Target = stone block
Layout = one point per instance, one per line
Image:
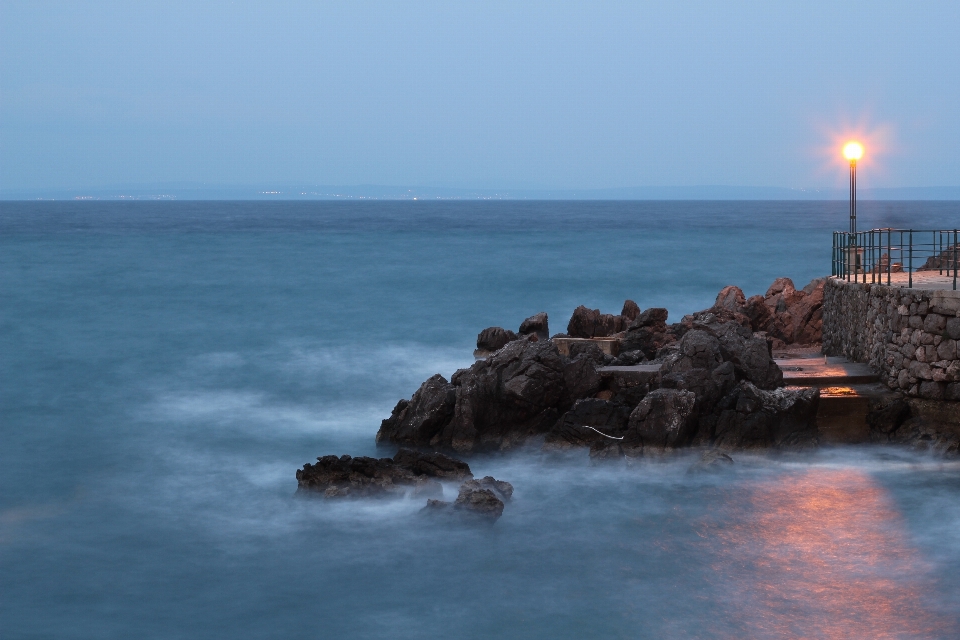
(952, 391)
(934, 323)
(931, 390)
(903, 310)
(923, 307)
(921, 371)
(952, 328)
(947, 350)
(915, 322)
(908, 350)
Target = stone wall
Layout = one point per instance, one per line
(909, 336)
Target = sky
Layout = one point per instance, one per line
(477, 95)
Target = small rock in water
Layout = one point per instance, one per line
(484, 498)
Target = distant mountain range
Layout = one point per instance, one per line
(381, 192)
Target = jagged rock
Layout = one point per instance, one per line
(590, 323)
(926, 434)
(885, 415)
(418, 420)
(502, 488)
(480, 501)
(573, 428)
(782, 418)
(751, 356)
(537, 325)
(630, 310)
(363, 476)
(435, 465)
(730, 298)
(663, 419)
(647, 333)
(494, 338)
(512, 395)
(698, 349)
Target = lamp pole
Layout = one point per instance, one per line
(853, 195)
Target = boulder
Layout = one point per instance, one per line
(418, 420)
(517, 392)
(589, 421)
(647, 333)
(536, 325)
(664, 419)
(363, 476)
(630, 310)
(730, 298)
(477, 499)
(755, 418)
(494, 338)
(590, 323)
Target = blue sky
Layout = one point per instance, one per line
(477, 95)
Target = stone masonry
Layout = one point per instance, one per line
(909, 336)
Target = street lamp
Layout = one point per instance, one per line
(853, 151)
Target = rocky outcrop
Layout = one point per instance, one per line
(756, 418)
(536, 325)
(494, 338)
(590, 323)
(482, 498)
(345, 476)
(785, 314)
(526, 389)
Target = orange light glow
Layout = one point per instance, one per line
(853, 151)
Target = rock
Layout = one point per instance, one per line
(573, 429)
(362, 476)
(731, 298)
(494, 338)
(711, 461)
(590, 323)
(630, 310)
(479, 501)
(518, 392)
(502, 488)
(647, 333)
(750, 355)
(663, 419)
(885, 415)
(434, 465)
(697, 350)
(755, 418)
(779, 286)
(925, 434)
(419, 420)
(536, 325)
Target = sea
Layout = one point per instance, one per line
(166, 367)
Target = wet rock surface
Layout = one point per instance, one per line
(346, 476)
(482, 499)
(527, 391)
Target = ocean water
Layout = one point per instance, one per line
(166, 367)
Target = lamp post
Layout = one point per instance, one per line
(853, 151)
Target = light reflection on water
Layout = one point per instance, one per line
(822, 553)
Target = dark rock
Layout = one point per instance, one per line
(630, 310)
(536, 325)
(579, 426)
(750, 355)
(781, 418)
(419, 420)
(502, 488)
(925, 434)
(494, 338)
(697, 350)
(590, 323)
(434, 465)
(663, 419)
(885, 415)
(478, 501)
(363, 476)
(730, 298)
(653, 317)
(517, 392)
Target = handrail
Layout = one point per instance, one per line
(868, 256)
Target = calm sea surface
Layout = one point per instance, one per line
(166, 367)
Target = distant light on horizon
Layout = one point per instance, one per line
(853, 151)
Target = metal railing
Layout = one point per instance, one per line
(874, 256)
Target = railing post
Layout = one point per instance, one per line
(954, 260)
(889, 255)
(910, 265)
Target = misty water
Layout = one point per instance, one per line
(166, 367)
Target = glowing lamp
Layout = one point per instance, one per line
(853, 151)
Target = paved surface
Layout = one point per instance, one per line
(824, 372)
(927, 280)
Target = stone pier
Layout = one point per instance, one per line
(909, 336)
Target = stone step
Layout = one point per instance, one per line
(825, 372)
